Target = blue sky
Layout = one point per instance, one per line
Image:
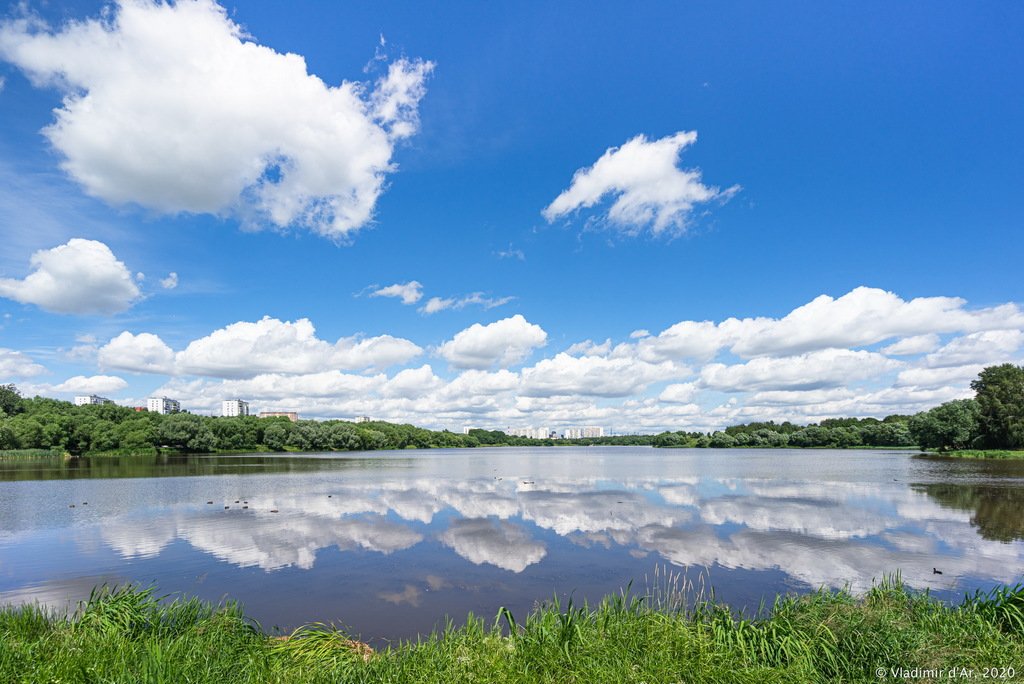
(867, 153)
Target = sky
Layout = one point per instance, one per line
(666, 216)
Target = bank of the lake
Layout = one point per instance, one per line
(128, 635)
(984, 454)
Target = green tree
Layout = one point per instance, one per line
(1000, 397)
(10, 400)
(953, 425)
(186, 432)
(8, 440)
(276, 435)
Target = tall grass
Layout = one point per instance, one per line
(672, 632)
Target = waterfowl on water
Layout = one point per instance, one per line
(936, 572)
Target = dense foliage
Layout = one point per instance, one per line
(127, 635)
(837, 433)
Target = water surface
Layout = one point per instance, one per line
(388, 543)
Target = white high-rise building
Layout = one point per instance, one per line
(529, 432)
(91, 399)
(162, 405)
(583, 432)
(233, 408)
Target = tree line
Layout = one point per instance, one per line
(993, 419)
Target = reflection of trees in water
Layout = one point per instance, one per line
(997, 511)
(164, 465)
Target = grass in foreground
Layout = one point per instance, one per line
(129, 635)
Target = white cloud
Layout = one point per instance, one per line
(410, 292)
(412, 382)
(96, 384)
(247, 349)
(590, 348)
(815, 370)
(991, 346)
(684, 340)
(14, 364)
(397, 96)
(245, 130)
(862, 317)
(649, 188)
(865, 316)
(79, 277)
(592, 376)
(505, 343)
(908, 346)
(931, 378)
(435, 304)
(170, 282)
(679, 393)
(142, 353)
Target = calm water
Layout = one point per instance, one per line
(388, 543)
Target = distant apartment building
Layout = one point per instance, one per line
(290, 415)
(163, 405)
(232, 408)
(467, 428)
(363, 419)
(92, 399)
(585, 432)
(529, 432)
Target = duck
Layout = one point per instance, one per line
(936, 571)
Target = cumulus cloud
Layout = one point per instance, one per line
(862, 317)
(247, 349)
(142, 353)
(641, 383)
(648, 186)
(977, 348)
(410, 292)
(96, 384)
(679, 393)
(14, 364)
(246, 130)
(917, 344)
(931, 378)
(79, 277)
(592, 376)
(505, 343)
(815, 370)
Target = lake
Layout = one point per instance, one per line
(389, 543)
